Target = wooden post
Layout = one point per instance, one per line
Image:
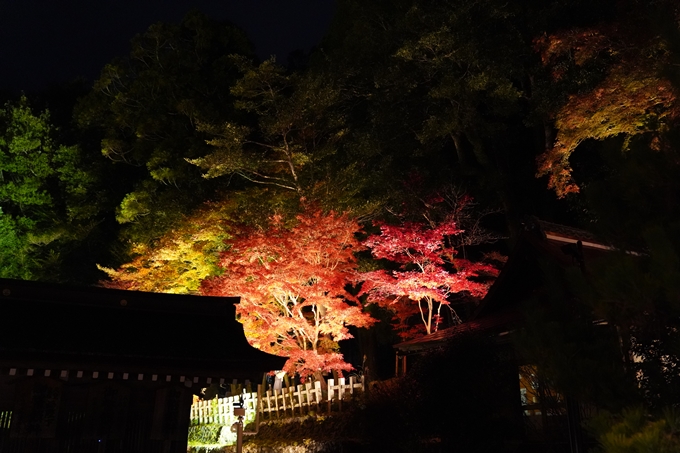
(276, 402)
(331, 393)
(341, 392)
(317, 395)
(258, 407)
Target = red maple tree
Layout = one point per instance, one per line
(292, 287)
(428, 274)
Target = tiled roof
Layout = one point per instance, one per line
(488, 324)
(47, 325)
(568, 232)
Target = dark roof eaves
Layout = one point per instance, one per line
(21, 290)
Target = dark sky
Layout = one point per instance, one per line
(45, 41)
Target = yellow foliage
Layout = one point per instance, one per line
(182, 259)
(630, 101)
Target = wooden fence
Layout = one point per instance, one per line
(270, 404)
(221, 410)
(299, 400)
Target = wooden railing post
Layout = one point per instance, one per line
(318, 395)
(331, 393)
(258, 406)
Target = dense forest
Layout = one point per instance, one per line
(384, 174)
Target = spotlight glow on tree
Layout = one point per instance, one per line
(632, 100)
(292, 287)
(428, 274)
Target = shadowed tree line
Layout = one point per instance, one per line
(566, 110)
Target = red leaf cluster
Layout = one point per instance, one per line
(428, 274)
(292, 287)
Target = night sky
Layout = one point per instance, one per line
(48, 41)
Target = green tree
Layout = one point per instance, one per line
(438, 91)
(298, 126)
(146, 107)
(46, 208)
(634, 431)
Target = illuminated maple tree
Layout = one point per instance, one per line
(292, 284)
(631, 100)
(428, 273)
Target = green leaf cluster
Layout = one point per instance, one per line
(204, 434)
(634, 431)
(145, 108)
(45, 206)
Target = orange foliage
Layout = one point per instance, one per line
(632, 99)
(292, 284)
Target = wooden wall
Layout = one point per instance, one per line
(53, 415)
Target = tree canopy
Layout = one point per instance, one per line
(428, 274)
(293, 287)
(46, 207)
(146, 108)
(562, 109)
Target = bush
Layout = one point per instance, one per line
(204, 434)
(635, 431)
